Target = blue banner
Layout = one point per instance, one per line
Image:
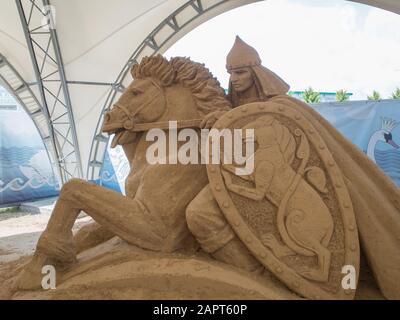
(371, 125)
(25, 170)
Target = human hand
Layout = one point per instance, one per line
(210, 119)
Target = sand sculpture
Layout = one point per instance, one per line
(285, 231)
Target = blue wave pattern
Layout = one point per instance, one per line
(389, 162)
(15, 185)
(108, 177)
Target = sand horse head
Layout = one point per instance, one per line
(162, 90)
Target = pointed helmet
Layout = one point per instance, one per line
(242, 55)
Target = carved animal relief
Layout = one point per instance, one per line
(293, 211)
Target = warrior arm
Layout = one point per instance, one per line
(263, 176)
(209, 119)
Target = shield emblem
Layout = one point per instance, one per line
(292, 209)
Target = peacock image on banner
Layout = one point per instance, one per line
(373, 126)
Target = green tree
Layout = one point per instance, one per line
(311, 96)
(375, 96)
(341, 95)
(396, 94)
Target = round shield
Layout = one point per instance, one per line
(284, 195)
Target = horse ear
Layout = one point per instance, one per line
(133, 70)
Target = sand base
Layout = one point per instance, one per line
(116, 270)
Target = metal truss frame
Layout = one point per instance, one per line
(151, 45)
(39, 28)
(22, 93)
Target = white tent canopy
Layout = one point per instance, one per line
(67, 76)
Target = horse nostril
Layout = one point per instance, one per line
(107, 117)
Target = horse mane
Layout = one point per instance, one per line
(206, 90)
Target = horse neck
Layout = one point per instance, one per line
(180, 104)
(130, 148)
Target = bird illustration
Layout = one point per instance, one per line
(384, 135)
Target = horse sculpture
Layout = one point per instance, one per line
(152, 214)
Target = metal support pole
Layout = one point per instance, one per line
(45, 51)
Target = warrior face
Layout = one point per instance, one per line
(244, 64)
(242, 79)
